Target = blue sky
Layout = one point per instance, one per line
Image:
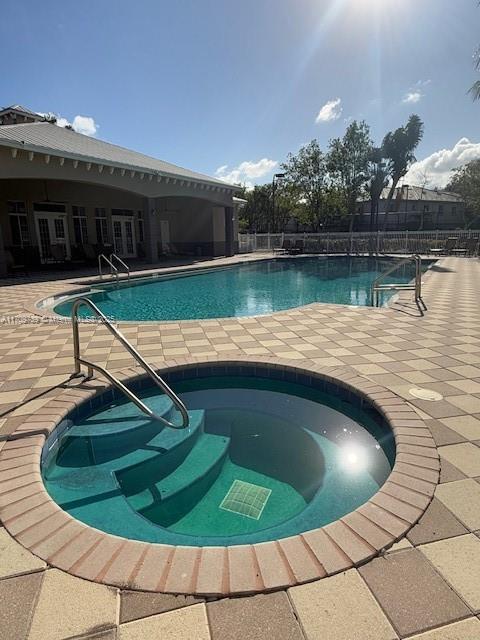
(217, 84)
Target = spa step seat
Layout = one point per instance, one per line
(190, 480)
(167, 448)
(121, 418)
(158, 456)
(107, 509)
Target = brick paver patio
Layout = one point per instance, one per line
(427, 586)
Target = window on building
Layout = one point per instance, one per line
(101, 225)
(17, 213)
(141, 231)
(80, 225)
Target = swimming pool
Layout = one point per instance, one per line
(263, 458)
(249, 289)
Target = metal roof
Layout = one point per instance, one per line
(417, 194)
(421, 193)
(18, 108)
(48, 138)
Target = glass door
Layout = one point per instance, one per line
(52, 234)
(124, 242)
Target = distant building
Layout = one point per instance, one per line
(416, 209)
(66, 197)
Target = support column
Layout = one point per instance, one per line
(152, 230)
(229, 231)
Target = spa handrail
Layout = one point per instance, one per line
(377, 287)
(78, 361)
(113, 256)
(113, 268)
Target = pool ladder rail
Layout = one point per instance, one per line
(114, 270)
(416, 285)
(91, 366)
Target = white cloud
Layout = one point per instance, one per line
(85, 125)
(439, 166)
(62, 122)
(412, 97)
(80, 124)
(415, 93)
(246, 172)
(331, 110)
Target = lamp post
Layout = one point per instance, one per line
(406, 209)
(275, 179)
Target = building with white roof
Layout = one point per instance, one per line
(67, 196)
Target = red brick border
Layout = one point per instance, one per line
(40, 525)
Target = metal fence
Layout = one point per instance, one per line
(358, 242)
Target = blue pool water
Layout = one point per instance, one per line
(262, 459)
(244, 290)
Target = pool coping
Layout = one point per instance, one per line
(39, 524)
(77, 288)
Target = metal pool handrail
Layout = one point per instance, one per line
(417, 286)
(113, 256)
(113, 268)
(78, 361)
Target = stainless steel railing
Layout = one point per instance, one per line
(416, 286)
(113, 256)
(113, 268)
(91, 366)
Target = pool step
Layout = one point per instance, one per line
(122, 418)
(132, 447)
(172, 497)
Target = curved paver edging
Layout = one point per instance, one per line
(40, 309)
(40, 525)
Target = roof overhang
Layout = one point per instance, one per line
(134, 170)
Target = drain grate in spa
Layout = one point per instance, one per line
(246, 499)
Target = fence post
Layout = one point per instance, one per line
(351, 242)
(406, 241)
(328, 240)
(378, 242)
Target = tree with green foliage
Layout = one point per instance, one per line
(347, 163)
(255, 215)
(398, 147)
(306, 176)
(466, 182)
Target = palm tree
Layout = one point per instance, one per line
(379, 172)
(398, 147)
(475, 88)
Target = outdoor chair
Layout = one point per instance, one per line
(297, 248)
(284, 247)
(447, 247)
(470, 248)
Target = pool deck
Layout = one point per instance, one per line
(426, 586)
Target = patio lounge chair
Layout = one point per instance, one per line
(298, 247)
(470, 248)
(284, 247)
(447, 247)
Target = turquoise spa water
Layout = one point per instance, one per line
(261, 460)
(244, 290)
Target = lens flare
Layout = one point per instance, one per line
(353, 458)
